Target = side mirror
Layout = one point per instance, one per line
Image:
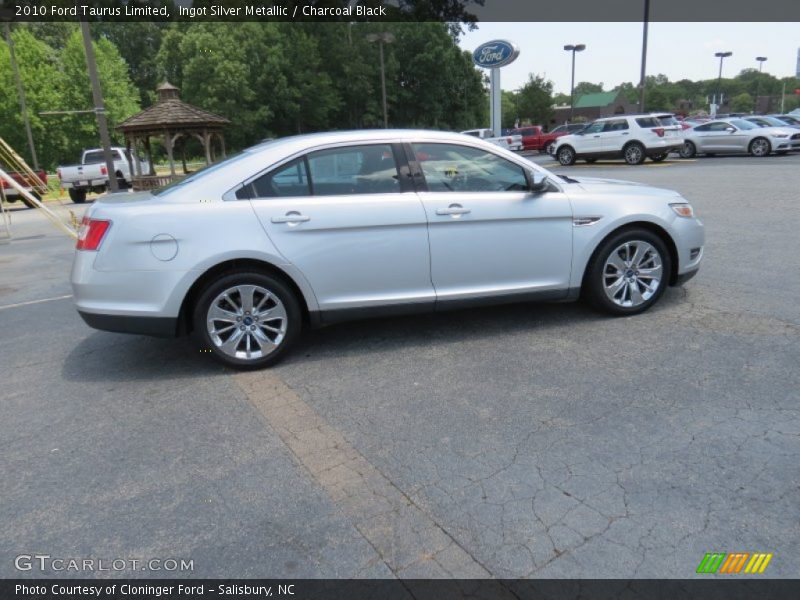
(730, 129)
(537, 182)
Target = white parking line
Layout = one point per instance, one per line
(18, 304)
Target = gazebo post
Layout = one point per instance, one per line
(149, 151)
(168, 144)
(137, 167)
(206, 145)
(222, 141)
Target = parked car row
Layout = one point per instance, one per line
(635, 138)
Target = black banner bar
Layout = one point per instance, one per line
(715, 588)
(534, 11)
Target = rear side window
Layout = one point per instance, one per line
(616, 125)
(354, 170)
(648, 122)
(668, 120)
(289, 180)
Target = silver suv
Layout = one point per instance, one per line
(632, 137)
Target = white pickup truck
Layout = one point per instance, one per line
(92, 175)
(511, 142)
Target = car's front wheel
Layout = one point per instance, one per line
(760, 147)
(628, 273)
(566, 156)
(247, 319)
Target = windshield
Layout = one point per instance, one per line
(742, 124)
(207, 170)
(770, 120)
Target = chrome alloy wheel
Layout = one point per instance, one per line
(634, 154)
(632, 274)
(247, 322)
(759, 147)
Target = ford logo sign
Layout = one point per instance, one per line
(497, 53)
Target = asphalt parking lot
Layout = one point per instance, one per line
(522, 441)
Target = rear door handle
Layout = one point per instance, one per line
(291, 217)
(453, 209)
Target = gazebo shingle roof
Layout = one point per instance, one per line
(171, 113)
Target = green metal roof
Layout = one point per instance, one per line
(598, 99)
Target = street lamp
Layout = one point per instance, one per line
(382, 38)
(722, 56)
(760, 60)
(573, 48)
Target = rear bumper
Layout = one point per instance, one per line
(153, 326)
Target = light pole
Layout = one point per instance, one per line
(644, 53)
(760, 60)
(722, 56)
(573, 48)
(382, 38)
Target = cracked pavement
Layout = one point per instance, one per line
(521, 441)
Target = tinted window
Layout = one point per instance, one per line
(616, 125)
(96, 156)
(648, 122)
(576, 128)
(354, 170)
(742, 124)
(453, 168)
(594, 128)
(289, 180)
(667, 120)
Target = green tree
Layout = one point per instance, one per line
(743, 102)
(535, 100)
(508, 109)
(585, 87)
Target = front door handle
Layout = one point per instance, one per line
(454, 210)
(291, 217)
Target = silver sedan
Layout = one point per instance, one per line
(738, 136)
(314, 229)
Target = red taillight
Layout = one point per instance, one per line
(659, 131)
(91, 233)
(103, 171)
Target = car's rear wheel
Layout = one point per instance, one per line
(658, 157)
(633, 153)
(760, 147)
(30, 204)
(77, 196)
(628, 273)
(688, 150)
(247, 319)
(566, 156)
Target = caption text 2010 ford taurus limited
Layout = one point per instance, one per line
(313, 229)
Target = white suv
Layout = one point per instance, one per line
(632, 137)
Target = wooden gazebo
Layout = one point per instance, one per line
(174, 121)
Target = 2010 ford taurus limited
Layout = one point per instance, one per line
(313, 229)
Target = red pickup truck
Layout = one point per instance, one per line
(534, 137)
(11, 193)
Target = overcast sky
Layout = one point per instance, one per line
(613, 50)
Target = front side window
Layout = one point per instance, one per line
(369, 169)
(454, 168)
(595, 128)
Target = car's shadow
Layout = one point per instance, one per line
(115, 357)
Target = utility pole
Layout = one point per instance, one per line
(382, 38)
(760, 60)
(99, 107)
(644, 54)
(21, 93)
(718, 100)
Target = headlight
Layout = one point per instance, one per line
(780, 135)
(682, 209)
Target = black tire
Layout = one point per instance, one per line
(566, 155)
(633, 153)
(658, 157)
(760, 147)
(77, 196)
(688, 150)
(30, 204)
(594, 278)
(590, 160)
(275, 286)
